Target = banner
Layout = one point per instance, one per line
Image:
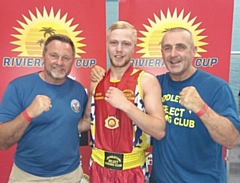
(209, 21)
(25, 27)
(211, 29)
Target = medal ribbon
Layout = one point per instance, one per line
(120, 85)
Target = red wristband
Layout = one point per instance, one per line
(203, 110)
(26, 116)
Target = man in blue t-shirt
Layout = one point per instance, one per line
(41, 112)
(201, 117)
(200, 113)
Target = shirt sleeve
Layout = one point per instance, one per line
(10, 107)
(225, 105)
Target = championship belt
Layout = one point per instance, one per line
(111, 122)
(118, 161)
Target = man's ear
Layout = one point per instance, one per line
(194, 50)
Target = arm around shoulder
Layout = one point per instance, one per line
(84, 124)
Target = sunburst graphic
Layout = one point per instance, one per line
(154, 33)
(39, 27)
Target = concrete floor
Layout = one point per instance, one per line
(234, 164)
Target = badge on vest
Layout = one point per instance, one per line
(111, 122)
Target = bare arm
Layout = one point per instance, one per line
(152, 122)
(84, 124)
(219, 127)
(11, 132)
(97, 73)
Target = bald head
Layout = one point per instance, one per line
(185, 31)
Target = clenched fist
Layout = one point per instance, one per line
(190, 98)
(115, 97)
(40, 104)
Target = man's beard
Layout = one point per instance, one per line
(56, 76)
(123, 64)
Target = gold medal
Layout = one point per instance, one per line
(111, 122)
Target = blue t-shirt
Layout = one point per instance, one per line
(188, 154)
(50, 144)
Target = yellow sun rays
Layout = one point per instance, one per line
(39, 27)
(154, 32)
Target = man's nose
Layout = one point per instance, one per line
(173, 52)
(59, 61)
(119, 47)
